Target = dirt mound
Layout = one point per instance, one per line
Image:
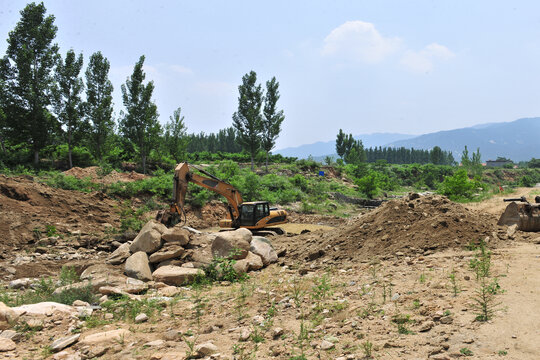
(408, 225)
(206, 217)
(94, 173)
(27, 207)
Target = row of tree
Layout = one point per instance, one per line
(44, 100)
(352, 151)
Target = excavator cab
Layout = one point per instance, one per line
(252, 212)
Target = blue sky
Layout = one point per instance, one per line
(363, 66)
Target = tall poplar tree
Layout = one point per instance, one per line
(139, 124)
(176, 138)
(272, 118)
(247, 120)
(99, 104)
(28, 80)
(67, 94)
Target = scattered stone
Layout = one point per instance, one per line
(7, 344)
(206, 349)
(11, 334)
(176, 235)
(119, 255)
(447, 320)
(175, 275)
(45, 308)
(137, 266)
(80, 303)
(149, 238)
(20, 283)
(62, 343)
(511, 231)
(228, 242)
(104, 337)
(277, 332)
(169, 251)
(261, 246)
(141, 318)
(245, 334)
(327, 345)
(171, 335)
(8, 316)
(426, 326)
(169, 291)
(155, 343)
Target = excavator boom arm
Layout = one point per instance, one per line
(182, 177)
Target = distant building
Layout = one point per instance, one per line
(500, 162)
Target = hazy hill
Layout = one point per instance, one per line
(517, 140)
(321, 148)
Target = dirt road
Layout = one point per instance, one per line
(516, 329)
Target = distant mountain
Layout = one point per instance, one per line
(321, 149)
(517, 140)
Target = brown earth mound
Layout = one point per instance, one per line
(408, 225)
(27, 207)
(93, 172)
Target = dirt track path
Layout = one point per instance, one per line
(496, 205)
(515, 329)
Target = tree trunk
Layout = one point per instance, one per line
(143, 158)
(69, 150)
(36, 157)
(2, 144)
(267, 162)
(252, 162)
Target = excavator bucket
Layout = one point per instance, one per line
(526, 216)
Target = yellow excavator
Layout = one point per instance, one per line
(256, 216)
(522, 213)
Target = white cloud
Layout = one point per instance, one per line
(423, 61)
(181, 70)
(359, 41)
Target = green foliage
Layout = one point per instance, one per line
(67, 98)
(247, 120)
(465, 351)
(458, 186)
(176, 139)
(81, 156)
(68, 182)
(272, 118)
(26, 74)
(124, 308)
(367, 185)
(222, 269)
(139, 124)
(98, 106)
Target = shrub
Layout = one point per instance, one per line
(458, 186)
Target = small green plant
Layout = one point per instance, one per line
(256, 335)
(367, 347)
(484, 301)
(502, 352)
(402, 320)
(68, 275)
(466, 351)
(51, 230)
(422, 278)
(222, 269)
(416, 304)
(454, 283)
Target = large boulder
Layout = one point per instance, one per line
(45, 308)
(137, 266)
(169, 251)
(7, 316)
(254, 261)
(149, 238)
(176, 235)
(119, 255)
(118, 335)
(175, 275)
(261, 246)
(232, 244)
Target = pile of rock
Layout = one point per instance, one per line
(175, 256)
